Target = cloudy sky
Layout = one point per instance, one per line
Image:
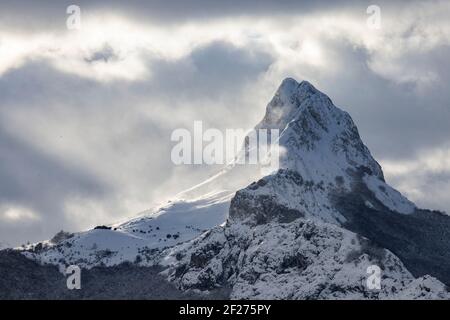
(86, 114)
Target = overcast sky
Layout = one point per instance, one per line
(86, 115)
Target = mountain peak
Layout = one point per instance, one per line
(291, 90)
(287, 101)
(290, 84)
(315, 135)
(298, 222)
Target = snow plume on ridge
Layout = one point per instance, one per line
(295, 231)
(320, 146)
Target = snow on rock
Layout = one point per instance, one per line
(302, 259)
(320, 141)
(138, 239)
(322, 152)
(424, 288)
(390, 197)
(283, 237)
(283, 197)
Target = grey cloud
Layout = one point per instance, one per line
(139, 149)
(24, 169)
(105, 54)
(434, 188)
(215, 69)
(396, 120)
(47, 14)
(134, 119)
(33, 180)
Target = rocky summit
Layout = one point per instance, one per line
(313, 229)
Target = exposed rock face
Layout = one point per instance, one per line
(23, 278)
(318, 138)
(298, 260)
(419, 239)
(286, 235)
(309, 230)
(256, 207)
(322, 155)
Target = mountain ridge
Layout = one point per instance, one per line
(326, 177)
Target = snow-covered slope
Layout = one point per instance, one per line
(390, 197)
(321, 141)
(320, 145)
(302, 259)
(139, 238)
(276, 236)
(322, 155)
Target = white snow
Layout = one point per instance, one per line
(390, 197)
(321, 144)
(304, 259)
(173, 223)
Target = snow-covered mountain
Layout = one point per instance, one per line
(307, 230)
(302, 259)
(170, 224)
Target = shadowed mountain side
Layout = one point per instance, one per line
(420, 239)
(309, 230)
(23, 278)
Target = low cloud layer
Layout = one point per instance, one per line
(86, 116)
